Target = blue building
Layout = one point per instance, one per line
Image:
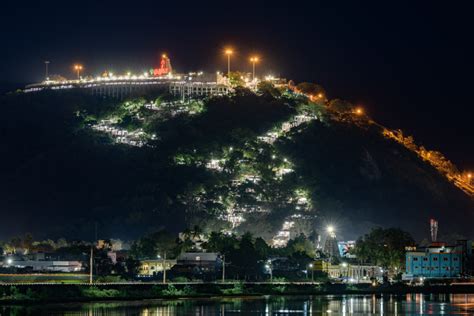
(435, 261)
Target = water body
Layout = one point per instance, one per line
(411, 304)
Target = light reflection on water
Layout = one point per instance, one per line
(409, 304)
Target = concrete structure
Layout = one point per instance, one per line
(436, 261)
(123, 86)
(354, 273)
(154, 266)
(200, 265)
(111, 87)
(44, 266)
(186, 89)
(349, 272)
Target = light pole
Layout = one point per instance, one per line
(254, 60)
(164, 268)
(46, 63)
(346, 269)
(229, 53)
(91, 263)
(312, 271)
(78, 69)
(268, 266)
(223, 268)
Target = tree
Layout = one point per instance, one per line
(262, 248)
(267, 88)
(132, 266)
(155, 244)
(236, 79)
(311, 89)
(245, 258)
(301, 244)
(383, 247)
(27, 243)
(342, 106)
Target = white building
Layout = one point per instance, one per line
(45, 266)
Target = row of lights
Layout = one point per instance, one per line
(228, 52)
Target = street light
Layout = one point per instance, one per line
(268, 266)
(254, 60)
(46, 63)
(164, 267)
(359, 111)
(78, 68)
(312, 271)
(223, 268)
(228, 52)
(345, 266)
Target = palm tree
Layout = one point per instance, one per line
(197, 232)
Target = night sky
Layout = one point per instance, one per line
(410, 65)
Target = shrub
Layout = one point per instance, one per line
(109, 279)
(171, 290)
(279, 289)
(180, 279)
(237, 289)
(95, 292)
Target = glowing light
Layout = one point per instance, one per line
(330, 229)
(359, 111)
(9, 260)
(344, 264)
(228, 51)
(254, 59)
(269, 78)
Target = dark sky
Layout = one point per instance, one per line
(409, 64)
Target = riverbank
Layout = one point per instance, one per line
(35, 293)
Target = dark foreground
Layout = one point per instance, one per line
(352, 304)
(36, 293)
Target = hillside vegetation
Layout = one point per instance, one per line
(271, 163)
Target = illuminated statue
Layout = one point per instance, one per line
(165, 67)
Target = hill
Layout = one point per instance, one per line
(270, 163)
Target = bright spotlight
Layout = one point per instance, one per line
(330, 229)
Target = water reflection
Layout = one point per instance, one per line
(409, 304)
